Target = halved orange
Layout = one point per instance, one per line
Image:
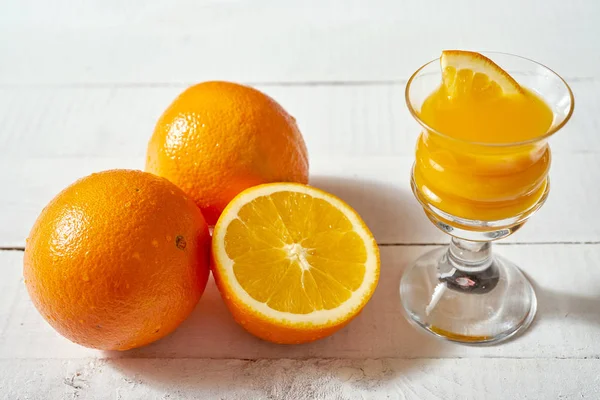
(292, 262)
(467, 73)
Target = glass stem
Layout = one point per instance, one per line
(471, 267)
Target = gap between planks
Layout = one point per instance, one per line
(150, 85)
(422, 244)
(143, 85)
(501, 244)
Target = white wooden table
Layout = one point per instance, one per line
(82, 84)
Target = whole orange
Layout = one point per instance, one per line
(117, 260)
(219, 138)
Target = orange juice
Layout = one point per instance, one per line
(480, 159)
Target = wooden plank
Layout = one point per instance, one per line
(186, 41)
(363, 120)
(567, 325)
(360, 138)
(463, 379)
(378, 188)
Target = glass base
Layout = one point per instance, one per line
(467, 295)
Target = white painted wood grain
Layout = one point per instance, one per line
(567, 326)
(82, 83)
(162, 41)
(360, 139)
(354, 120)
(377, 187)
(149, 379)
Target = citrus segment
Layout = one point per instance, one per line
(467, 73)
(293, 263)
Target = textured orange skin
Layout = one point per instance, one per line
(117, 260)
(219, 138)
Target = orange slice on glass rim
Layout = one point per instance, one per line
(467, 73)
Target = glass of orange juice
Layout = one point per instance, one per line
(481, 170)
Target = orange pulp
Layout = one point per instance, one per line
(473, 163)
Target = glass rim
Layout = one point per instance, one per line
(549, 133)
